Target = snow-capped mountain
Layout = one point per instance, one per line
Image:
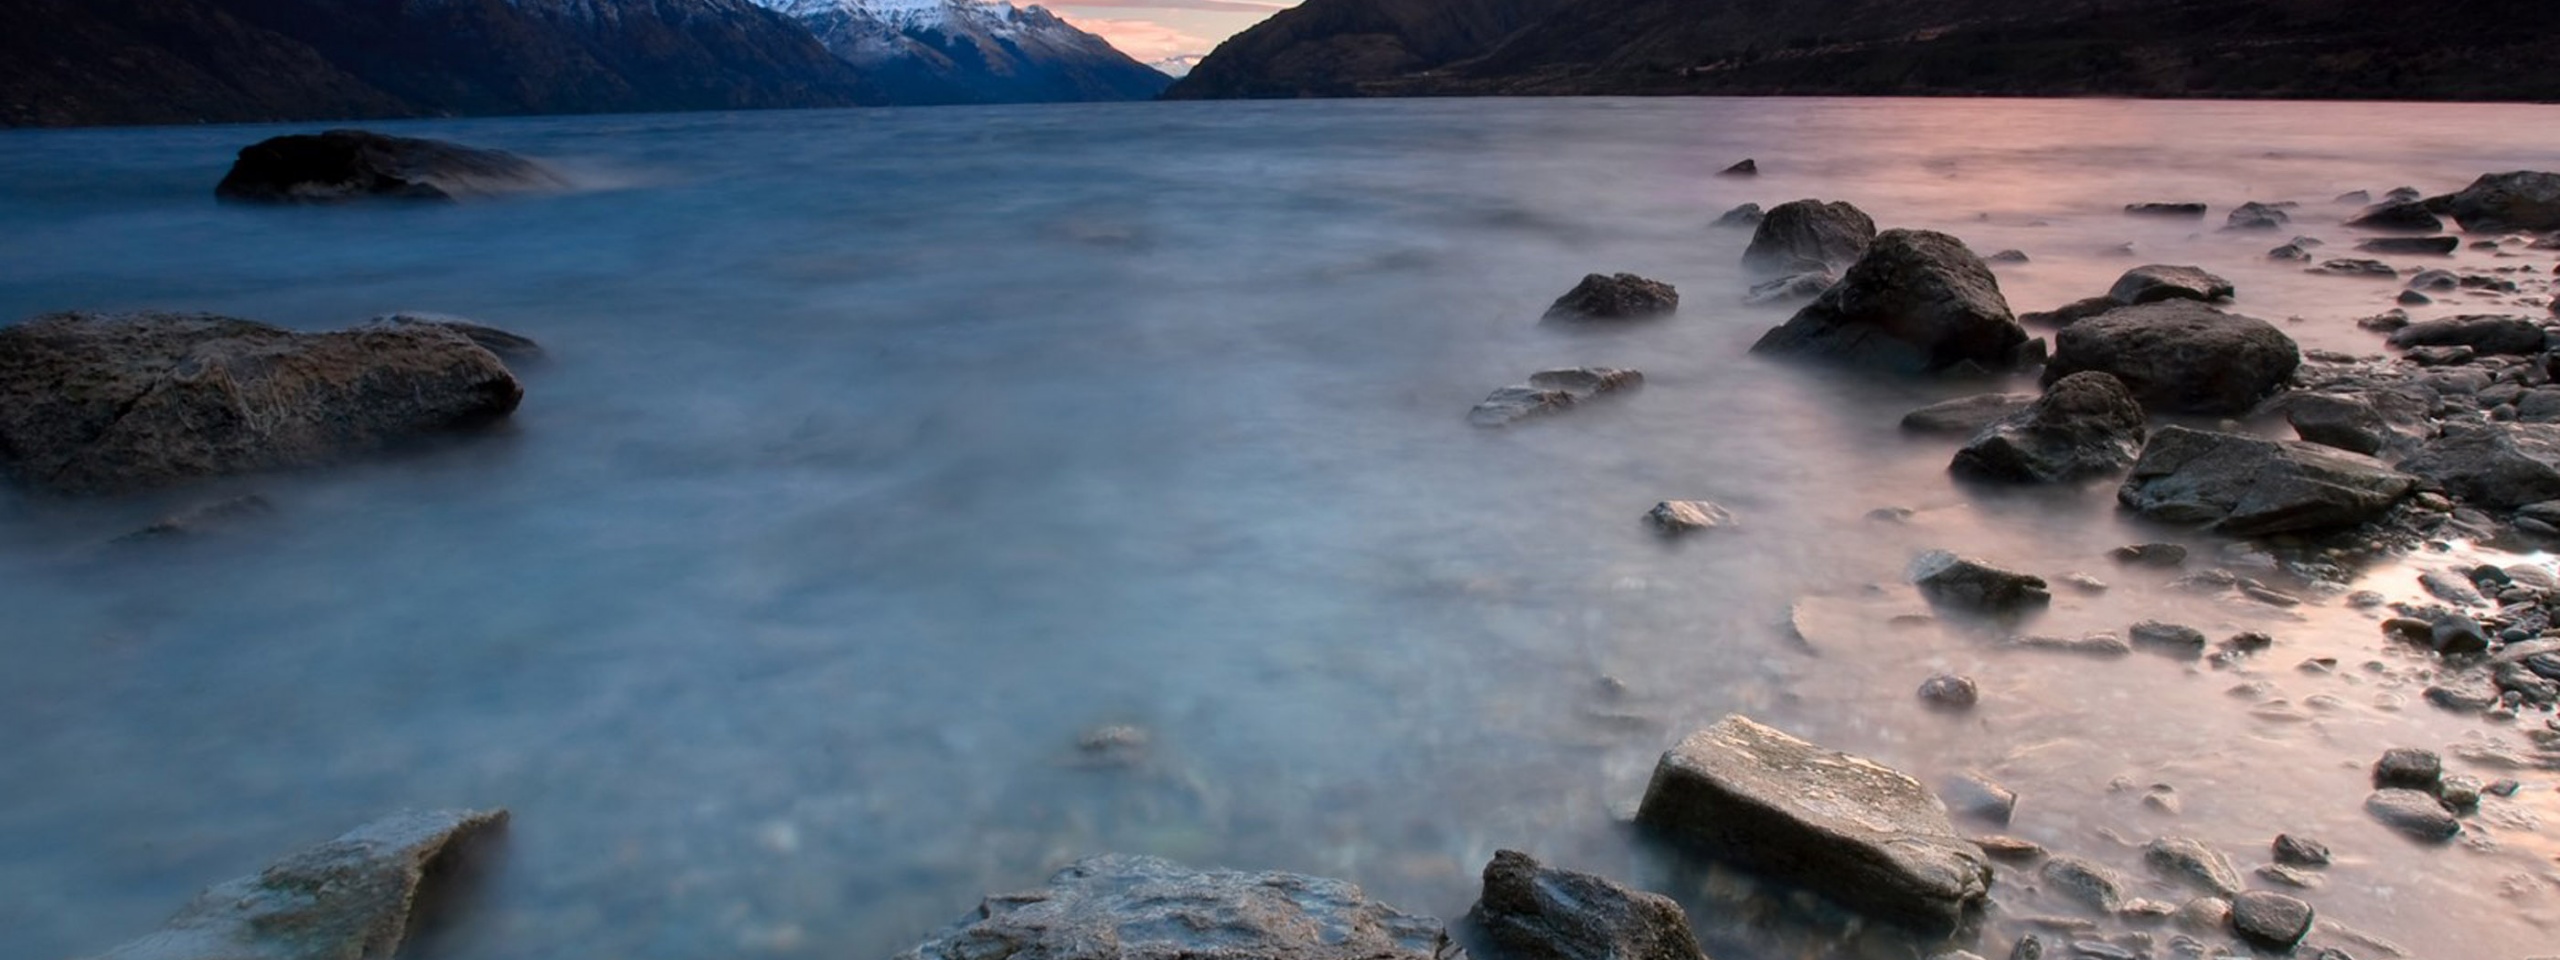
(1178, 66)
(971, 51)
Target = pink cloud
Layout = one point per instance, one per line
(1144, 40)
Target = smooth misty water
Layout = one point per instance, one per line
(883, 452)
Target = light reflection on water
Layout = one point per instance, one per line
(883, 452)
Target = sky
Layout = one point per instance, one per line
(1153, 30)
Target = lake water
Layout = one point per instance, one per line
(882, 453)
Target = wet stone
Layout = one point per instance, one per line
(2277, 873)
(2270, 920)
(2191, 862)
(2172, 638)
(1121, 907)
(2408, 768)
(1948, 691)
(2416, 813)
(2084, 883)
(1529, 911)
(2150, 554)
(2300, 851)
(1947, 578)
(1974, 795)
(2008, 849)
(1673, 518)
(2104, 645)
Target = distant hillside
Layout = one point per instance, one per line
(2317, 49)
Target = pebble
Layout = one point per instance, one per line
(2150, 554)
(2414, 813)
(2008, 849)
(2459, 792)
(2408, 767)
(1979, 796)
(1949, 691)
(2163, 798)
(2169, 637)
(2270, 920)
(2280, 874)
(2191, 862)
(2300, 851)
(2085, 883)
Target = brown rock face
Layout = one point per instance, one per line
(99, 403)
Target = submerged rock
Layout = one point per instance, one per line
(2296, 851)
(2521, 200)
(2193, 863)
(1966, 415)
(1802, 286)
(2422, 246)
(2251, 487)
(205, 518)
(2086, 883)
(1746, 215)
(2416, 813)
(1122, 907)
(2165, 209)
(1622, 296)
(2256, 216)
(2514, 336)
(347, 899)
(1917, 302)
(2160, 281)
(98, 403)
(2085, 424)
(2408, 768)
(1529, 911)
(1847, 828)
(2270, 921)
(1947, 578)
(1673, 518)
(2406, 215)
(1809, 236)
(1549, 391)
(2180, 356)
(1949, 691)
(342, 165)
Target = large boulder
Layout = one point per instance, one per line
(347, 899)
(1533, 912)
(2516, 336)
(1918, 302)
(2249, 487)
(1623, 296)
(2086, 423)
(1121, 907)
(2522, 200)
(100, 403)
(2179, 356)
(1809, 236)
(343, 165)
(1848, 828)
(2153, 283)
(2405, 215)
(2499, 465)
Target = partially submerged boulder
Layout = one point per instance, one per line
(2498, 465)
(2179, 356)
(347, 899)
(2521, 200)
(2085, 424)
(1946, 578)
(1966, 416)
(1674, 518)
(1809, 236)
(1122, 907)
(2405, 215)
(102, 403)
(2514, 336)
(342, 165)
(2250, 487)
(2421, 246)
(1623, 296)
(2256, 216)
(1918, 302)
(1549, 391)
(1530, 911)
(1848, 828)
(2153, 283)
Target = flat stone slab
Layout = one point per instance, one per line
(1123, 907)
(1850, 829)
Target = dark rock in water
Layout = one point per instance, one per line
(2346, 422)
(1948, 691)
(2086, 883)
(1747, 168)
(1800, 286)
(1587, 381)
(1122, 907)
(2191, 862)
(2271, 921)
(2180, 356)
(2522, 200)
(2457, 634)
(1549, 391)
(2251, 487)
(2069, 313)
(1966, 415)
(1918, 302)
(2452, 588)
(2438, 280)
(2008, 849)
(2358, 268)
(2296, 851)
(96, 403)
(2460, 793)
(348, 898)
(1847, 828)
(2488, 335)
(2007, 256)
(1978, 796)
(1809, 236)
(2413, 812)
(2441, 356)
(1529, 911)
(2427, 246)
(2174, 638)
(2085, 424)
(205, 518)
(1965, 582)
(514, 348)
(2150, 554)
(2402, 195)
(2256, 216)
(343, 165)
(2463, 694)
(2289, 251)
(2354, 197)
(2160, 281)
(2412, 298)
(2409, 216)
(1624, 296)
(1746, 215)
(1673, 518)
(2502, 466)
(2165, 209)
(2408, 768)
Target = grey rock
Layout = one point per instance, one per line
(2451, 587)
(2256, 216)
(2150, 554)
(2165, 209)
(1966, 415)
(2356, 197)
(2102, 645)
(2349, 423)
(2412, 298)
(2028, 947)
(2459, 792)
(2289, 252)
(1847, 828)
(2069, 313)
(2085, 883)
(2457, 634)
(2007, 256)
(2441, 356)
(1746, 215)
(2463, 694)
(2191, 862)
(2437, 280)
(2204, 915)
(2174, 638)
(1673, 518)
(2406, 216)
(2416, 813)
(2294, 877)
(514, 348)
(1529, 911)
(2424, 246)
(2497, 465)
(1944, 577)
(1974, 795)
(1549, 391)
(2486, 335)
(1802, 286)
(1121, 907)
(2270, 920)
(2085, 424)
(1949, 691)
(1917, 302)
(344, 165)
(1623, 296)
(2160, 281)
(347, 899)
(1809, 236)
(2251, 487)
(1746, 168)
(2102, 950)
(2521, 200)
(2180, 356)
(2357, 268)
(96, 403)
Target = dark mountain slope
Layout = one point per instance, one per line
(65, 62)
(1332, 47)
